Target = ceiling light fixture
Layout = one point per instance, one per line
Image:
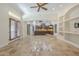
(60, 5)
(53, 9)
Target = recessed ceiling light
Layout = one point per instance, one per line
(53, 8)
(60, 5)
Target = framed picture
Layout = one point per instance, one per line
(76, 25)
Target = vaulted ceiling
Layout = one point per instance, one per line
(54, 10)
(52, 7)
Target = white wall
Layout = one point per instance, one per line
(24, 30)
(73, 37)
(4, 23)
(16, 13)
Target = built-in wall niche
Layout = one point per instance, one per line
(14, 29)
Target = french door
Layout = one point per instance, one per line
(14, 29)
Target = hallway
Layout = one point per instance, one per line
(39, 46)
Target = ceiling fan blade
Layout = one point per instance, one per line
(38, 9)
(44, 4)
(34, 7)
(44, 8)
(38, 4)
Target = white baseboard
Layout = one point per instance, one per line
(1, 46)
(75, 45)
(69, 42)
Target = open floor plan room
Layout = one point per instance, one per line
(39, 29)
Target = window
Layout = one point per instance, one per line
(14, 29)
(18, 29)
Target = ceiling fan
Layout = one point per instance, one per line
(40, 6)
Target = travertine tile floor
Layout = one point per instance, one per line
(39, 46)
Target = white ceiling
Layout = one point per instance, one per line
(54, 10)
(52, 7)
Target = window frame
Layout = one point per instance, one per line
(16, 29)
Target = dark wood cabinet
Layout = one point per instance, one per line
(43, 30)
